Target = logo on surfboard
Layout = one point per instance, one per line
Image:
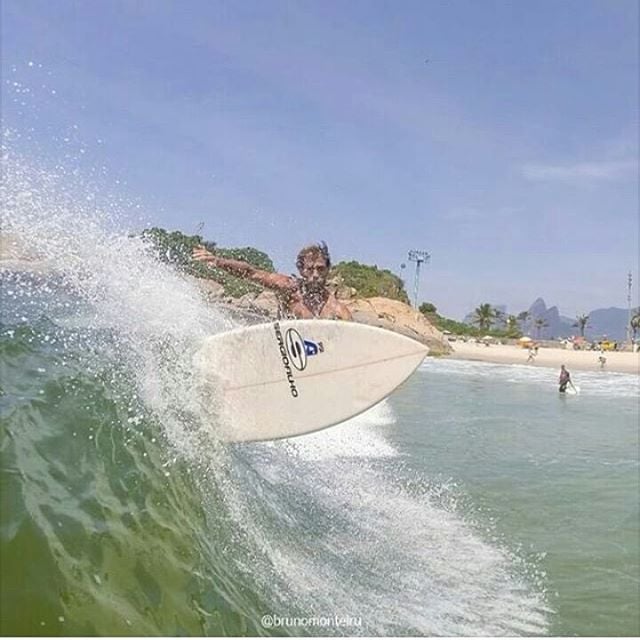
(286, 362)
(294, 351)
(313, 348)
(298, 349)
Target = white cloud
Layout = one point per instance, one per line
(606, 170)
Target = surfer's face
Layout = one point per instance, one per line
(314, 270)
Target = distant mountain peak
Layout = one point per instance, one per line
(538, 307)
(612, 322)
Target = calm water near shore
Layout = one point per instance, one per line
(554, 477)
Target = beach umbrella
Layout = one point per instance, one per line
(525, 339)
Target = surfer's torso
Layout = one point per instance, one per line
(304, 303)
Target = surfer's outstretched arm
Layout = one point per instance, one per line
(242, 269)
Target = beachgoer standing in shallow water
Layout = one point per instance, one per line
(564, 380)
(305, 297)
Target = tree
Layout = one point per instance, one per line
(513, 328)
(427, 307)
(523, 319)
(635, 324)
(539, 324)
(484, 315)
(581, 323)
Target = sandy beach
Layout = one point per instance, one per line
(619, 361)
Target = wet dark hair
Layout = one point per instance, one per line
(313, 250)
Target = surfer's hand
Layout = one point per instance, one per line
(202, 255)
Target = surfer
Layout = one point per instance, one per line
(564, 380)
(302, 297)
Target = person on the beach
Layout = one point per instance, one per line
(305, 297)
(564, 380)
(602, 360)
(532, 355)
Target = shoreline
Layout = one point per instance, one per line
(617, 361)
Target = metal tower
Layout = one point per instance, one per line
(418, 257)
(629, 307)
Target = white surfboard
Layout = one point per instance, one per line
(292, 377)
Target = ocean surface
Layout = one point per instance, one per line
(474, 501)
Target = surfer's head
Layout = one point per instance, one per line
(313, 263)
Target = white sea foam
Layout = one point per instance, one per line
(365, 536)
(362, 436)
(155, 315)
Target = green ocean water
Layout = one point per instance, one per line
(101, 534)
(474, 501)
(555, 477)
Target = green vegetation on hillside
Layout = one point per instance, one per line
(511, 330)
(369, 281)
(175, 247)
(430, 311)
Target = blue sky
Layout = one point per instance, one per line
(500, 136)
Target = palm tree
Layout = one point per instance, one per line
(581, 323)
(513, 328)
(524, 317)
(539, 324)
(483, 316)
(635, 324)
